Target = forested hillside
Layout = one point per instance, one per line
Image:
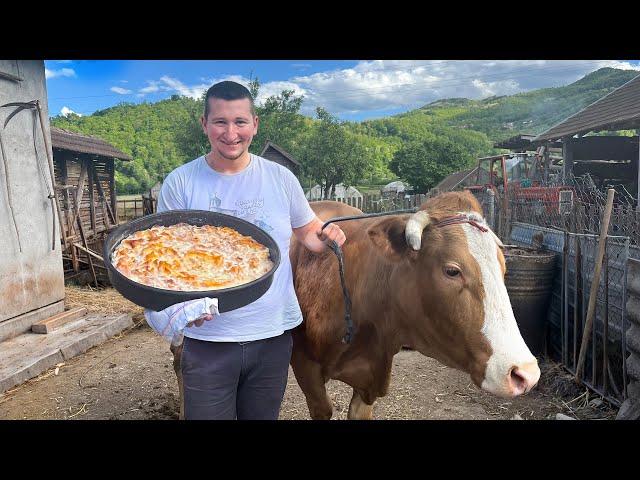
(421, 146)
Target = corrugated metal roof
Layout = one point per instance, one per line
(519, 141)
(618, 109)
(76, 142)
(270, 144)
(453, 180)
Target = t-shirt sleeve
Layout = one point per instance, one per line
(171, 197)
(300, 211)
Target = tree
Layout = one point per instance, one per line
(423, 164)
(280, 122)
(332, 155)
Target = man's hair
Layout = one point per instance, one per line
(228, 90)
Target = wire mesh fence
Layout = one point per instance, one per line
(577, 206)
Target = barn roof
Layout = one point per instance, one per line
(76, 142)
(616, 110)
(453, 180)
(280, 150)
(518, 142)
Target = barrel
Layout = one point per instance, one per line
(529, 281)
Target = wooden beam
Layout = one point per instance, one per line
(567, 156)
(86, 246)
(79, 192)
(111, 169)
(52, 323)
(92, 205)
(104, 199)
(93, 254)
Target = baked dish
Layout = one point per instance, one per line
(186, 257)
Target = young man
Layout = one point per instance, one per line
(235, 364)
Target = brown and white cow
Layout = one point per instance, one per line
(418, 280)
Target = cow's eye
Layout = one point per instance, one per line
(452, 271)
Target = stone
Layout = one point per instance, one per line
(562, 416)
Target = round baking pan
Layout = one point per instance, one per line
(159, 298)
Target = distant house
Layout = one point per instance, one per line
(341, 193)
(273, 152)
(394, 188)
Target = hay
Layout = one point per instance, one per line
(103, 300)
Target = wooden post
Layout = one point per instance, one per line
(79, 192)
(595, 284)
(567, 156)
(84, 241)
(111, 170)
(92, 204)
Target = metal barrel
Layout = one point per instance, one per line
(529, 282)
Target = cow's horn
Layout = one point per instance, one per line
(415, 225)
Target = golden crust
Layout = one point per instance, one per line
(189, 258)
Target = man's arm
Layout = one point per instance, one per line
(316, 240)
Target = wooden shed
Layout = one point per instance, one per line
(273, 152)
(85, 178)
(611, 159)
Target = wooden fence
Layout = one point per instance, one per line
(129, 209)
(368, 203)
(372, 203)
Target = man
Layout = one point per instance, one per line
(235, 364)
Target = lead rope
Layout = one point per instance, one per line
(348, 337)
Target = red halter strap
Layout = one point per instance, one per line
(458, 219)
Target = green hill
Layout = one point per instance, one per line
(161, 136)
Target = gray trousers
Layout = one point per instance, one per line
(229, 380)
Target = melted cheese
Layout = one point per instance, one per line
(190, 258)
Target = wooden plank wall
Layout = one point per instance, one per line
(89, 178)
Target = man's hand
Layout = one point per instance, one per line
(332, 232)
(200, 320)
(315, 239)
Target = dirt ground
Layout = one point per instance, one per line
(130, 377)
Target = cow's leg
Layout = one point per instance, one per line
(309, 376)
(358, 409)
(177, 367)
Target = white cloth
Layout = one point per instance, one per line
(171, 321)
(267, 195)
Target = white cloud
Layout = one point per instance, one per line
(64, 111)
(124, 81)
(194, 91)
(152, 87)
(63, 72)
(120, 90)
(391, 84)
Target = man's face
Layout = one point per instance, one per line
(230, 127)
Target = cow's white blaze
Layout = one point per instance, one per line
(500, 327)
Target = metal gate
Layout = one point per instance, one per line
(605, 369)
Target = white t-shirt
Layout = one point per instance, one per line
(267, 195)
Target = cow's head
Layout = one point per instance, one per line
(447, 286)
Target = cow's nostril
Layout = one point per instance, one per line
(518, 381)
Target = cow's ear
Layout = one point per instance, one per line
(388, 237)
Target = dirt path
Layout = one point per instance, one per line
(131, 377)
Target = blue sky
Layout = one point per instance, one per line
(350, 89)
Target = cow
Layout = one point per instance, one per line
(432, 281)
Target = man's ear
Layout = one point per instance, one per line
(387, 236)
(203, 124)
